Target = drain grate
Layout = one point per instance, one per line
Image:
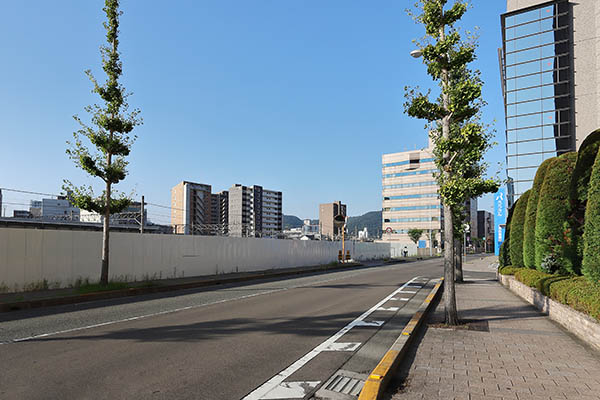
(344, 384)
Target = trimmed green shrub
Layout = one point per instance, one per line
(529, 225)
(578, 293)
(516, 230)
(503, 258)
(504, 254)
(551, 225)
(508, 270)
(591, 237)
(531, 277)
(586, 156)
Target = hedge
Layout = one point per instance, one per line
(576, 292)
(591, 238)
(586, 157)
(508, 270)
(516, 231)
(529, 225)
(531, 277)
(504, 254)
(551, 224)
(579, 294)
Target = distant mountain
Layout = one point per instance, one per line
(370, 220)
(291, 221)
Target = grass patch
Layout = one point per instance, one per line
(96, 287)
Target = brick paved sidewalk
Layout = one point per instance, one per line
(523, 355)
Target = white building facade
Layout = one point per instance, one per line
(410, 197)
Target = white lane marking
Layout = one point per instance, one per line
(369, 323)
(274, 382)
(292, 390)
(81, 328)
(388, 309)
(135, 318)
(415, 287)
(343, 346)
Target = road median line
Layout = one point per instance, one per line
(380, 376)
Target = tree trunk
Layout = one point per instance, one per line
(449, 273)
(458, 260)
(105, 238)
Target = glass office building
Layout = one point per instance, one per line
(537, 76)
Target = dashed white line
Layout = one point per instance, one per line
(272, 384)
(388, 309)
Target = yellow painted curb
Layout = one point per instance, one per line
(375, 384)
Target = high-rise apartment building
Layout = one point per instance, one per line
(550, 66)
(410, 196)
(471, 218)
(220, 212)
(191, 208)
(254, 211)
(485, 228)
(327, 212)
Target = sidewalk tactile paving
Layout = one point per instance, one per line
(524, 356)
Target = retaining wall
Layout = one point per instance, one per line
(29, 256)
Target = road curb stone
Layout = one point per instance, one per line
(380, 376)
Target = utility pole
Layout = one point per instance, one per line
(142, 216)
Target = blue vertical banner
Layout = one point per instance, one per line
(499, 218)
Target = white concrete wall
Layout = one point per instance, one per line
(28, 256)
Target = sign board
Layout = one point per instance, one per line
(422, 244)
(499, 218)
(389, 229)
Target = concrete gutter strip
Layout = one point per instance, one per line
(379, 378)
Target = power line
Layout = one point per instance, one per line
(167, 207)
(29, 192)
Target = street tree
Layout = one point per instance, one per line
(460, 139)
(415, 234)
(110, 133)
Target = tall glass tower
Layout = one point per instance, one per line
(537, 79)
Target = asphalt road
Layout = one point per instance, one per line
(218, 343)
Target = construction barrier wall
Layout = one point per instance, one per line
(28, 257)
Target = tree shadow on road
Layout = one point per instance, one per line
(215, 329)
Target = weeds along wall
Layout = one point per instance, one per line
(61, 257)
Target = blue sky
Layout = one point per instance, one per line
(298, 96)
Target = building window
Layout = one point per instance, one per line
(396, 164)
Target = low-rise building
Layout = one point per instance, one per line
(21, 214)
(327, 213)
(59, 208)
